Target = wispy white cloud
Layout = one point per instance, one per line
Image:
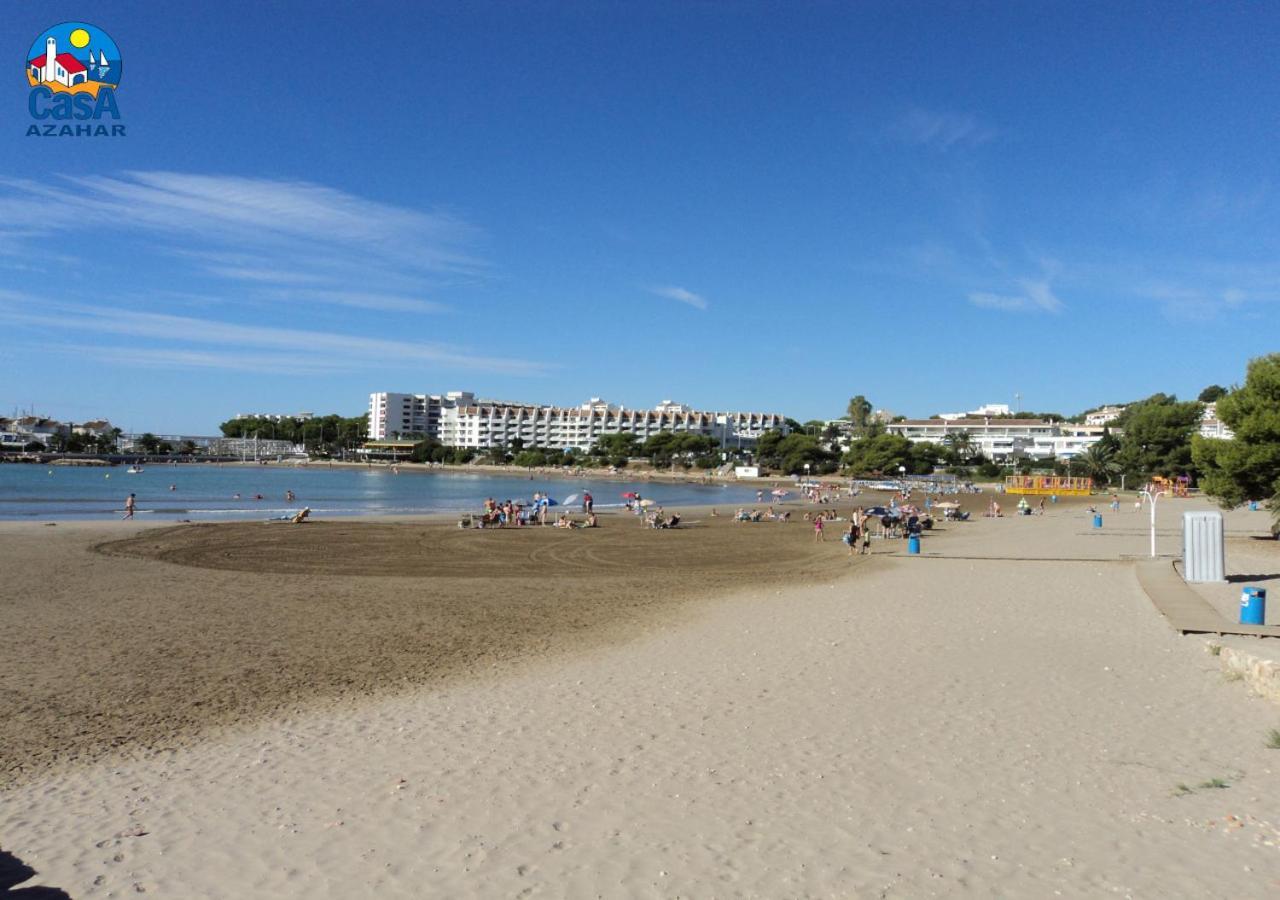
(386, 302)
(940, 130)
(336, 350)
(1034, 296)
(260, 233)
(244, 211)
(160, 358)
(682, 295)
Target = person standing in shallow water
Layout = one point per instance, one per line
(130, 504)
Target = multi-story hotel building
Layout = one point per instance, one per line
(1003, 439)
(459, 419)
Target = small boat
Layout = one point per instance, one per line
(133, 470)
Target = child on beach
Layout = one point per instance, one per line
(817, 530)
(850, 537)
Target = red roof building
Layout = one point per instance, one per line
(57, 68)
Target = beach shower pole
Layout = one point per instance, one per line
(1152, 497)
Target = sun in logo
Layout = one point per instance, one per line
(74, 57)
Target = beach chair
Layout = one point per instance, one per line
(301, 516)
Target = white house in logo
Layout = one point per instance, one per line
(59, 68)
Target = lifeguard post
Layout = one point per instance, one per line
(1061, 485)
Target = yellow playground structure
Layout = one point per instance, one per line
(1173, 487)
(1061, 485)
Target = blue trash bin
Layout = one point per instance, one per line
(1253, 506)
(913, 545)
(1097, 520)
(1253, 606)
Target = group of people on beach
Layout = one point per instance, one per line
(513, 514)
(857, 537)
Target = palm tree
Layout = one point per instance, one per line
(959, 443)
(1099, 462)
(859, 412)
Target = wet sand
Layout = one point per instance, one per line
(149, 641)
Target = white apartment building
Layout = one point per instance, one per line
(1104, 415)
(1213, 427)
(1003, 439)
(987, 409)
(458, 419)
(278, 417)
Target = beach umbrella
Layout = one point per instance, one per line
(646, 503)
(779, 492)
(572, 499)
(547, 501)
(629, 495)
(946, 504)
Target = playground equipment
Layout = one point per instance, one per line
(1062, 485)
(1172, 487)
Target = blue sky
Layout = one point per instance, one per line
(739, 206)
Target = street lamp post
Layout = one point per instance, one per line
(902, 478)
(1152, 497)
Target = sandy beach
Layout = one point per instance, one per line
(404, 709)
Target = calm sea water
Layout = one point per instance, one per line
(208, 492)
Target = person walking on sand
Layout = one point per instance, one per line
(130, 505)
(850, 537)
(587, 502)
(818, 534)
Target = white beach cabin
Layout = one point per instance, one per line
(55, 67)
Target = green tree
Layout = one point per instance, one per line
(1157, 436)
(495, 456)
(530, 458)
(1212, 393)
(795, 450)
(767, 447)
(960, 444)
(149, 443)
(460, 456)
(859, 413)
(1098, 462)
(1247, 467)
(614, 446)
(425, 451)
(879, 455)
